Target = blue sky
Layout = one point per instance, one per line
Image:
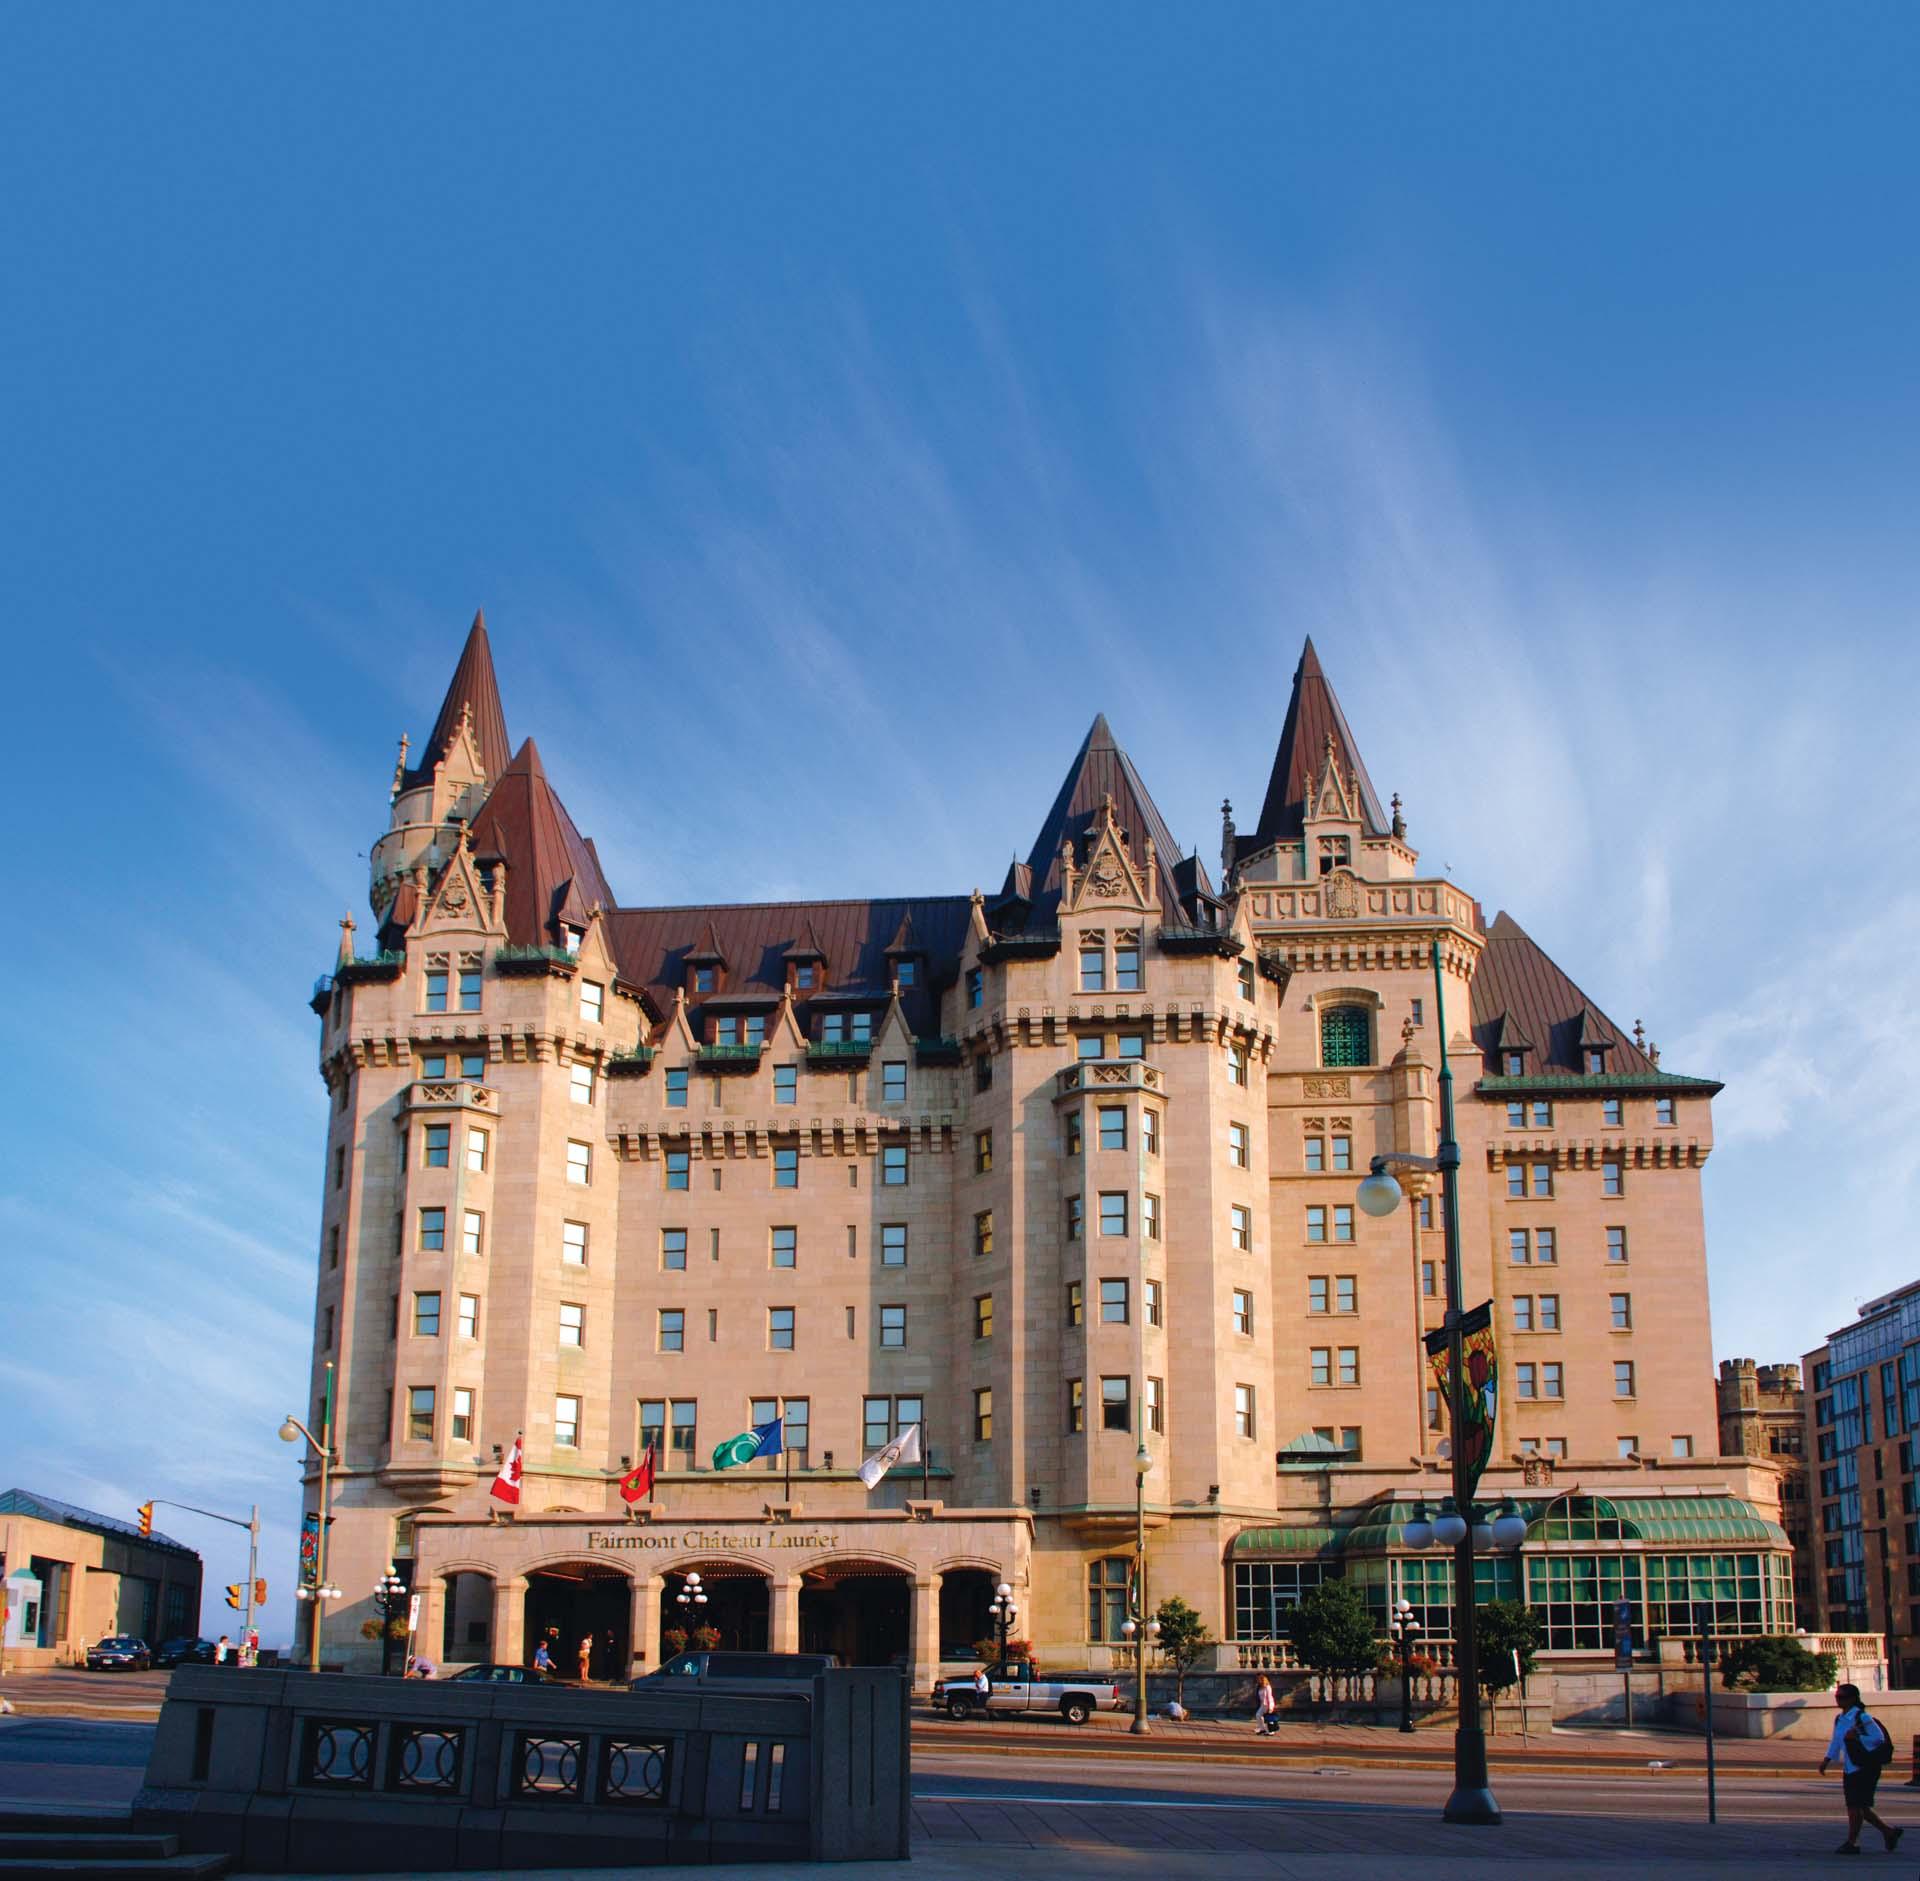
(832, 410)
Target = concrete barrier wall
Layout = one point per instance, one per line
(293, 1772)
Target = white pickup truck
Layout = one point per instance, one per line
(1016, 1686)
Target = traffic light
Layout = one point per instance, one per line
(260, 1592)
(234, 1590)
(146, 1518)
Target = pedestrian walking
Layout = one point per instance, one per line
(586, 1656)
(1266, 1713)
(982, 1686)
(543, 1660)
(221, 1651)
(1864, 1749)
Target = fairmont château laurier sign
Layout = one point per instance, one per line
(694, 1540)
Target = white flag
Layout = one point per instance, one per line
(905, 1448)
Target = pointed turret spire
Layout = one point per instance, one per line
(474, 693)
(1314, 720)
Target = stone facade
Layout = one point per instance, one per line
(1065, 1175)
(1763, 1416)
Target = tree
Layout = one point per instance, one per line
(1506, 1627)
(1183, 1640)
(1332, 1630)
(1776, 1664)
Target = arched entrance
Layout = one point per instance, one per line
(736, 1606)
(466, 1617)
(965, 1596)
(858, 1611)
(575, 1600)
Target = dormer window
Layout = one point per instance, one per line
(906, 971)
(1513, 1064)
(1596, 1063)
(1336, 852)
(704, 979)
(572, 938)
(805, 976)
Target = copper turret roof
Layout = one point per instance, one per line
(551, 867)
(1313, 716)
(473, 686)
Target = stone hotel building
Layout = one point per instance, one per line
(1053, 1172)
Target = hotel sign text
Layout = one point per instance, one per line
(682, 1540)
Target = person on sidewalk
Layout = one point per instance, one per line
(1266, 1709)
(1864, 1749)
(586, 1657)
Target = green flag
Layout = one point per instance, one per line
(761, 1440)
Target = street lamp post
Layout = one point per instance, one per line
(690, 1599)
(390, 1596)
(322, 1590)
(1472, 1799)
(1001, 1610)
(1405, 1630)
(1137, 1627)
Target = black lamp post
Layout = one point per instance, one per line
(1001, 1610)
(1405, 1630)
(1472, 1799)
(390, 1597)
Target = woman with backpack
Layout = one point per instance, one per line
(1864, 1748)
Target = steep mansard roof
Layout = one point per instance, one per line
(552, 870)
(473, 686)
(1313, 715)
(1101, 769)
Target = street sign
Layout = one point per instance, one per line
(413, 1615)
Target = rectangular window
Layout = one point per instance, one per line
(653, 1424)
(1346, 1297)
(580, 1083)
(983, 1072)
(1318, 1298)
(593, 1000)
(469, 989)
(1516, 1181)
(573, 1243)
(1150, 1289)
(786, 1168)
(893, 1081)
(1616, 1245)
(673, 1329)
(1610, 1117)
(579, 1162)
(1076, 1303)
(333, 1247)
(1525, 1383)
(983, 1315)
(686, 1418)
(566, 1423)
(983, 1232)
(1349, 1372)
(1130, 1045)
(1543, 1178)
(573, 1323)
(1072, 1122)
(426, 1315)
(1239, 1145)
(437, 1137)
(1663, 1113)
(786, 1084)
(893, 1244)
(983, 1414)
(437, 989)
(1076, 1406)
(1089, 1046)
(1342, 1222)
(1093, 970)
(477, 1151)
(1113, 1211)
(1075, 1212)
(1520, 1246)
(1240, 1227)
(1550, 1381)
(1556, 1446)
(1236, 1063)
(1150, 1132)
(1126, 969)
(1156, 1405)
(1610, 1183)
(785, 1247)
(876, 1422)
(1150, 1217)
(1113, 1127)
(462, 1414)
(420, 1414)
(1243, 1312)
(1113, 1303)
(1342, 1153)
(1626, 1446)
(1543, 1247)
(982, 1152)
(1116, 1404)
(1621, 1307)
(1623, 1378)
(1426, 1211)
(780, 1328)
(677, 1088)
(433, 1229)
(893, 1166)
(976, 989)
(673, 1249)
(1320, 1365)
(1316, 1155)
(1549, 1312)
(1523, 1312)
(1680, 1446)
(1316, 1222)
(1540, 1114)
(1516, 1113)
(468, 1325)
(1243, 975)
(1243, 1410)
(1428, 1278)
(893, 1325)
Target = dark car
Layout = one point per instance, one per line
(183, 1652)
(709, 1667)
(507, 1675)
(120, 1653)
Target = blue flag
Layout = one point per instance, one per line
(761, 1440)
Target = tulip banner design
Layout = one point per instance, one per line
(1483, 1387)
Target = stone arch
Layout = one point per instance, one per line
(467, 1593)
(738, 1604)
(578, 1597)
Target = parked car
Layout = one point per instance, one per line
(506, 1675)
(121, 1652)
(708, 1667)
(183, 1652)
(1016, 1686)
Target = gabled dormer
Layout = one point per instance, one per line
(706, 965)
(1595, 1044)
(906, 958)
(806, 964)
(1513, 1051)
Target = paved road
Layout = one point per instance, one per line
(52, 1763)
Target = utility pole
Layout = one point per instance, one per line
(252, 1526)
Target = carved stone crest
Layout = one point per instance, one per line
(1106, 881)
(453, 898)
(1326, 1087)
(1342, 896)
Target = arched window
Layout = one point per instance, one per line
(1346, 1036)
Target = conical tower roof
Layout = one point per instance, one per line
(474, 688)
(1313, 715)
(551, 867)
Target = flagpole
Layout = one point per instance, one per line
(926, 1464)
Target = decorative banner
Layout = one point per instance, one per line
(1475, 1438)
(309, 1548)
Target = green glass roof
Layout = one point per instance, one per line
(1496, 1085)
(1292, 1541)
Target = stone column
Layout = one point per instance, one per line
(783, 1616)
(924, 1624)
(645, 1645)
(429, 1637)
(509, 1619)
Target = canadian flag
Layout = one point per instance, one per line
(637, 1484)
(506, 1486)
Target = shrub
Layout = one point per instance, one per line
(1506, 1627)
(1332, 1630)
(674, 1638)
(1778, 1663)
(704, 1638)
(1183, 1640)
(987, 1650)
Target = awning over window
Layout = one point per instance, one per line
(1286, 1543)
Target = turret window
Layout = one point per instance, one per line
(1336, 852)
(1346, 1036)
(592, 1001)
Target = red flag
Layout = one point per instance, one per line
(506, 1486)
(637, 1484)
